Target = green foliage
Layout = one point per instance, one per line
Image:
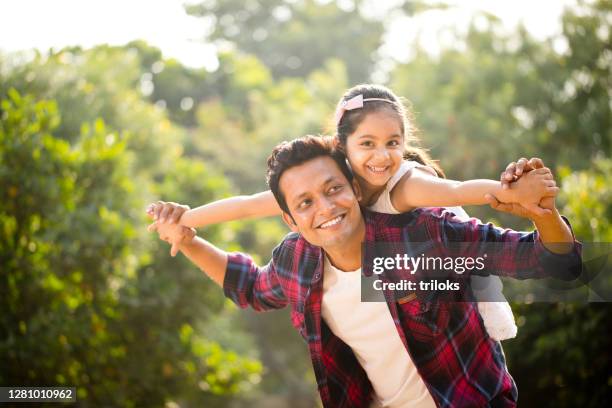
(294, 38)
(587, 196)
(81, 304)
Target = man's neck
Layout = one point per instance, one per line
(347, 257)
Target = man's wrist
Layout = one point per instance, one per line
(547, 219)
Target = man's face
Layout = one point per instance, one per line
(322, 202)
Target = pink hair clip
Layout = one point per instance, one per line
(355, 102)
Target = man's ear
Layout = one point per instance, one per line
(289, 221)
(357, 189)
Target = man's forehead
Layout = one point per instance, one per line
(310, 176)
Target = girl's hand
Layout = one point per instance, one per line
(166, 212)
(533, 188)
(515, 170)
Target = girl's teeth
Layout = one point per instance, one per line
(377, 169)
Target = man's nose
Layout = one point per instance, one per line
(326, 205)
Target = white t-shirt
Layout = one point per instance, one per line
(369, 330)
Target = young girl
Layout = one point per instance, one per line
(372, 129)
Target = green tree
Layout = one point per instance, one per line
(295, 38)
(73, 287)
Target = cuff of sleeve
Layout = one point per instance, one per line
(236, 272)
(567, 266)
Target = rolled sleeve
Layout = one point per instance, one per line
(246, 284)
(567, 266)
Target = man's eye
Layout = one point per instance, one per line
(335, 189)
(304, 204)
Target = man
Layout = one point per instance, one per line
(406, 353)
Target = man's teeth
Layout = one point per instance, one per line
(377, 169)
(331, 223)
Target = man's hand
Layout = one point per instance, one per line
(547, 203)
(167, 217)
(174, 234)
(516, 169)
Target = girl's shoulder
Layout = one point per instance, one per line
(406, 167)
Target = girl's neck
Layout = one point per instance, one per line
(369, 192)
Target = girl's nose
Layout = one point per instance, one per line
(382, 153)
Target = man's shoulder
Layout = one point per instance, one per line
(294, 245)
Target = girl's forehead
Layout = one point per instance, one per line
(381, 121)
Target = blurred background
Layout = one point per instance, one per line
(107, 106)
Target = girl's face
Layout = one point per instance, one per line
(375, 150)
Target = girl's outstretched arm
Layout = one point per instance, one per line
(419, 188)
(257, 205)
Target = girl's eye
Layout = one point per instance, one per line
(394, 143)
(367, 144)
(335, 189)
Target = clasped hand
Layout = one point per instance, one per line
(166, 216)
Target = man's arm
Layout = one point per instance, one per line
(553, 231)
(242, 280)
(210, 259)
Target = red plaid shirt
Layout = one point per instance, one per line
(459, 363)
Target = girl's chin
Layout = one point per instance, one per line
(378, 181)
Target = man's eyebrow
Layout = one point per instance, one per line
(329, 180)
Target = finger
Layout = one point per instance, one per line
(536, 209)
(552, 191)
(152, 227)
(176, 214)
(536, 163)
(163, 215)
(174, 250)
(547, 176)
(520, 166)
(493, 202)
(159, 206)
(502, 178)
(510, 170)
(503, 207)
(542, 170)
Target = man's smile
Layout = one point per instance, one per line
(332, 222)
